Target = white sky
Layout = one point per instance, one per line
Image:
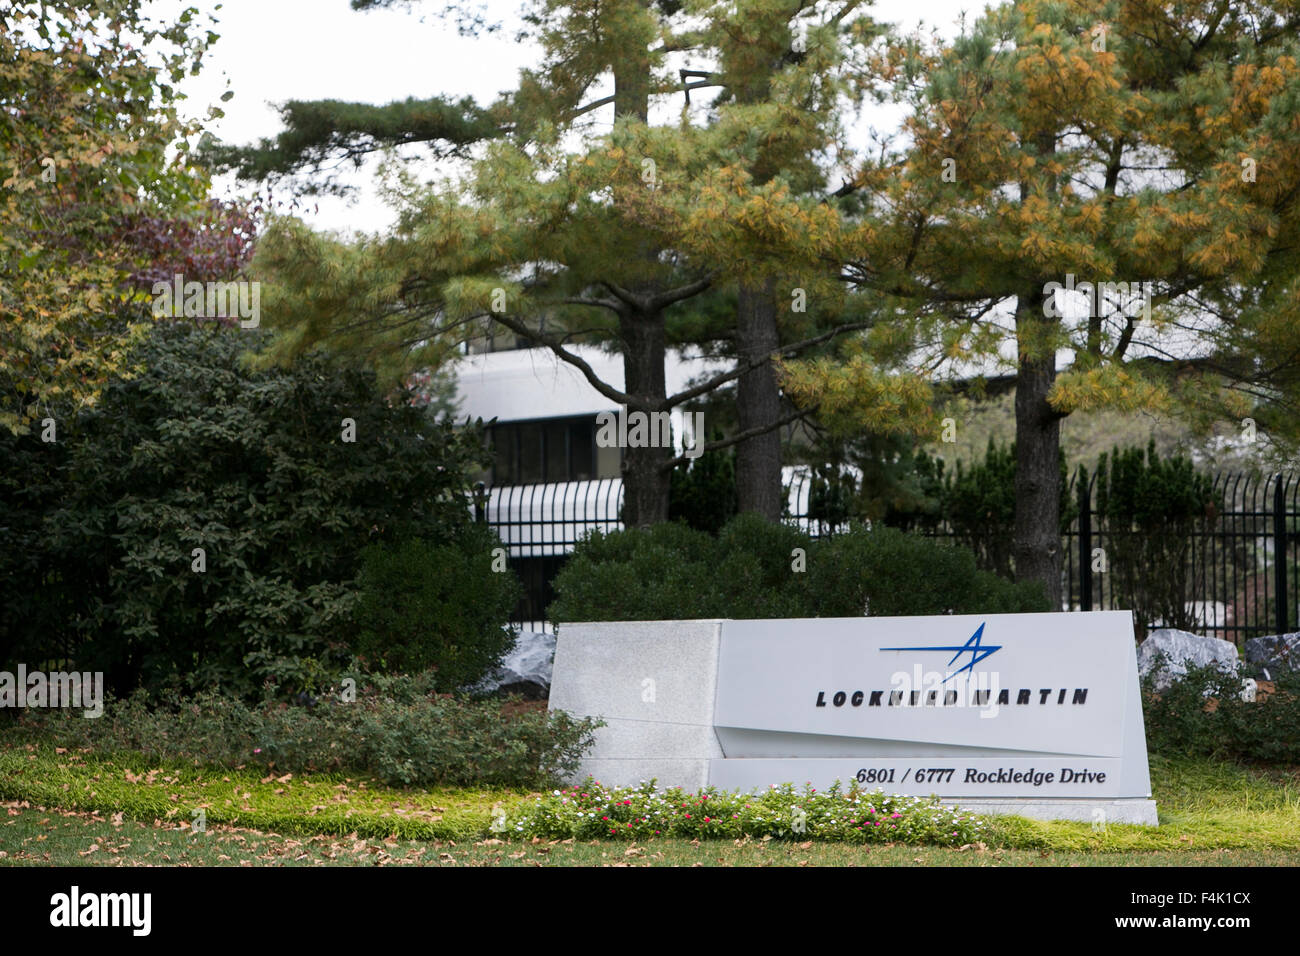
(276, 50)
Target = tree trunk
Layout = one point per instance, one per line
(1037, 534)
(758, 399)
(645, 479)
(758, 402)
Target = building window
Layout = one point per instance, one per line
(558, 449)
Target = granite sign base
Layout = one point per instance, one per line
(1083, 810)
(744, 705)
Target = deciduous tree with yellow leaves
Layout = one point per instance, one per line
(92, 158)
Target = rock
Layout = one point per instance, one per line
(526, 670)
(1276, 653)
(1249, 690)
(1179, 649)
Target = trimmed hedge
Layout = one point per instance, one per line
(758, 569)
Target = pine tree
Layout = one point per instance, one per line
(600, 242)
(1059, 142)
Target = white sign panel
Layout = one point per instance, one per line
(1016, 705)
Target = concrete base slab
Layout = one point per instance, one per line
(1099, 812)
(691, 775)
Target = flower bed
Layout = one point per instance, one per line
(590, 810)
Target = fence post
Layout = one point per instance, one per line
(480, 502)
(1085, 543)
(1279, 555)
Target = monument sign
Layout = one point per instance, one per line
(1037, 714)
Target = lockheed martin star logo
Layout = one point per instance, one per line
(973, 647)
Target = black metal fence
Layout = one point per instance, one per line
(1238, 569)
(540, 524)
(1234, 574)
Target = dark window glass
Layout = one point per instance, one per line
(582, 438)
(557, 452)
(530, 453)
(505, 462)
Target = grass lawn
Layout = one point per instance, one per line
(122, 810)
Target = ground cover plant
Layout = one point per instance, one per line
(852, 814)
(395, 730)
(1207, 809)
(35, 835)
(1203, 713)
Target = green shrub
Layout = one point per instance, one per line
(435, 607)
(650, 574)
(753, 572)
(1154, 515)
(200, 450)
(1180, 720)
(589, 811)
(703, 494)
(396, 730)
(887, 572)
(753, 569)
